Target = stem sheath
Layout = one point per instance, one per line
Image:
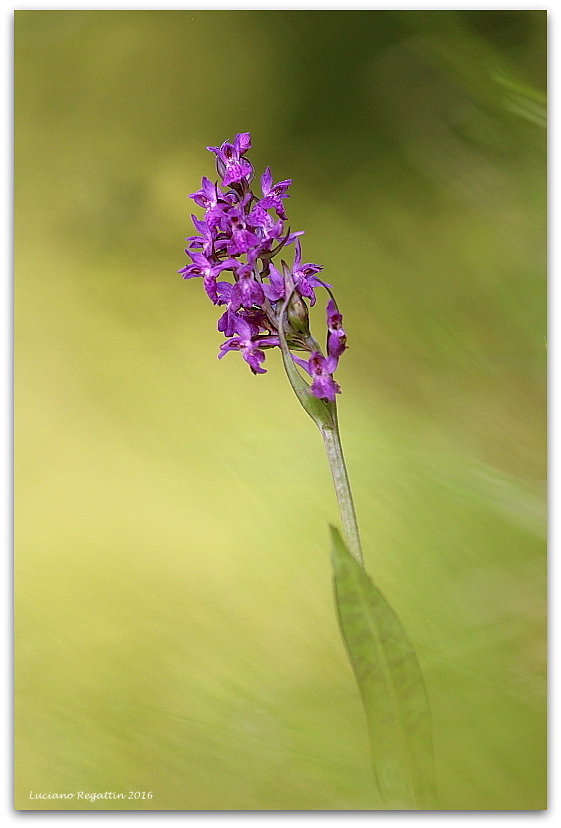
(332, 442)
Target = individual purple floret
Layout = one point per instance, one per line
(240, 235)
(209, 270)
(321, 371)
(336, 337)
(229, 161)
(304, 275)
(272, 195)
(247, 342)
(213, 201)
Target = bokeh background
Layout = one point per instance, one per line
(175, 631)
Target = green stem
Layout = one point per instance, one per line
(332, 442)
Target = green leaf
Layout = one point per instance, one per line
(391, 685)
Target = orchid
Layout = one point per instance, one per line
(265, 305)
(243, 234)
(231, 164)
(272, 194)
(247, 343)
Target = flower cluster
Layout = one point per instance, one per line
(240, 236)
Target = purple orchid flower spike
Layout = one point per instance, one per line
(243, 234)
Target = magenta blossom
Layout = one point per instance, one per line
(304, 275)
(321, 371)
(230, 162)
(242, 235)
(248, 344)
(336, 337)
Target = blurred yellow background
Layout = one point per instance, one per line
(175, 629)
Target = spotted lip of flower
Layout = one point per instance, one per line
(202, 266)
(320, 370)
(248, 344)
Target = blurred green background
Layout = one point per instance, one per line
(175, 630)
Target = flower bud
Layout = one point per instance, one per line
(296, 311)
(298, 316)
